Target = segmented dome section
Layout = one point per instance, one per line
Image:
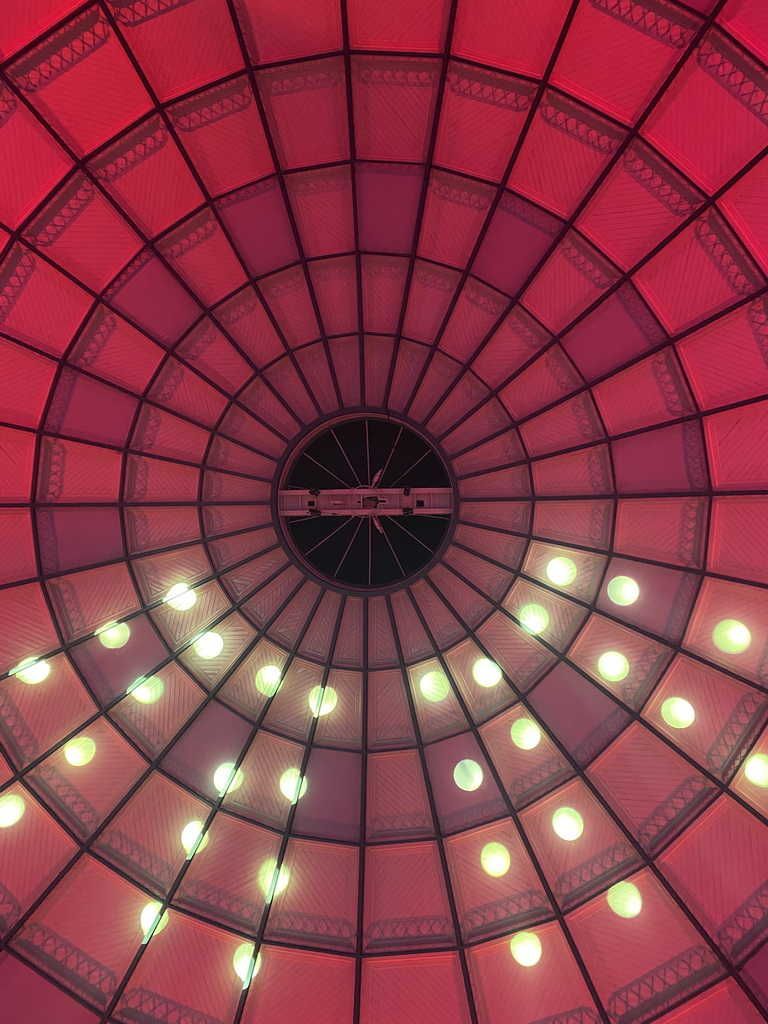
(530, 783)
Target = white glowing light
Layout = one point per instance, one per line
(80, 751)
(561, 571)
(268, 680)
(180, 597)
(731, 636)
(147, 691)
(191, 837)
(678, 713)
(756, 769)
(567, 823)
(272, 881)
(526, 948)
(12, 808)
(150, 924)
(624, 899)
(292, 786)
(495, 859)
(534, 618)
(246, 968)
(613, 666)
(32, 671)
(114, 635)
(209, 645)
(468, 775)
(525, 734)
(322, 702)
(623, 590)
(434, 686)
(226, 778)
(486, 672)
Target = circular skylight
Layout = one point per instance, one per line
(365, 502)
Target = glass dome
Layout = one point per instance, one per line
(383, 559)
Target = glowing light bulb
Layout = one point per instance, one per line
(623, 590)
(268, 680)
(226, 778)
(80, 751)
(756, 769)
(525, 948)
(434, 686)
(12, 808)
(322, 702)
(244, 964)
(193, 839)
(468, 775)
(486, 672)
(624, 899)
(534, 618)
(677, 713)
(151, 922)
(180, 597)
(567, 823)
(147, 691)
(495, 859)
(613, 666)
(115, 635)
(209, 645)
(525, 734)
(561, 571)
(292, 786)
(731, 636)
(32, 671)
(272, 881)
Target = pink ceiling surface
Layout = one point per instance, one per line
(538, 232)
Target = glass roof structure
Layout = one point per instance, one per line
(523, 781)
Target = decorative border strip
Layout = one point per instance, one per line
(653, 18)
(736, 71)
(661, 180)
(131, 151)
(136, 12)
(61, 213)
(568, 117)
(61, 52)
(211, 105)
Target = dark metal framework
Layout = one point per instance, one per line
(725, 967)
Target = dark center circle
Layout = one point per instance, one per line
(356, 502)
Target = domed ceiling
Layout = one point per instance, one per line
(479, 736)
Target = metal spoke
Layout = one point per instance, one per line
(389, 457)
(396, 522)
(385, 535)
(345, 522)
(346, 552)
(311, 458)
(412, 466)
(358, 481)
